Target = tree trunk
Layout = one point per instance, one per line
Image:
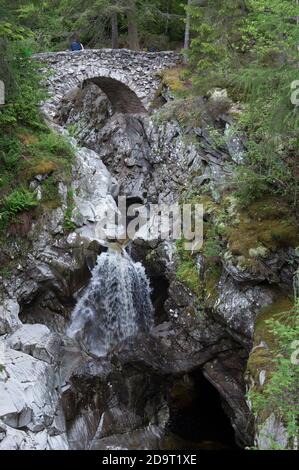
(133, 37)
(187, 28)
(114, 31)
(167, 19)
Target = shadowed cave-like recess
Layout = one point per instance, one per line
(197, 417)
(121, 97)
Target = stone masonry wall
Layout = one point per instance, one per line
(136, 74)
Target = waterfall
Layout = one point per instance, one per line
(115, 305)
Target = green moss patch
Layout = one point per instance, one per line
(187, 271)
(174, 79)
(211, 279)
(280, 310)
(261, 358)
(268, 223)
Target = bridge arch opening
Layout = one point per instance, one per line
(122, 98)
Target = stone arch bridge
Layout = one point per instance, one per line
(130, 79)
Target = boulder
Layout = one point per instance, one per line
(9, 316)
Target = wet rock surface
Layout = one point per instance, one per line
(53, 394)
(134, 382)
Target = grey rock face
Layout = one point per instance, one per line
(149, 159)
(238, 305)
(141, 371)
(28, 396)
(271, 431)
(274, 268)
(9, 316)
(33, 374)
(52, 395)
(234, 145)
(35, 340)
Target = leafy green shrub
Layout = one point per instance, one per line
(51, 143)
(50, 190)
(211, 247)
(250, 186)
(50, 153)
(10, 152)
(72, 129)
(69, 225)
(5, 273)
(280, 392)
(18, 201)
(186, 269)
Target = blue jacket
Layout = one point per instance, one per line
(76, 46)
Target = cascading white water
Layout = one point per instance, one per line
(115, 305)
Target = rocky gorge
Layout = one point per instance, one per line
(179, 380)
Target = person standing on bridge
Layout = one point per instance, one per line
(76, 44)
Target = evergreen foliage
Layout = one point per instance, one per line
(250, 48)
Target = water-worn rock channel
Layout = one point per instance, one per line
(102, 345)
